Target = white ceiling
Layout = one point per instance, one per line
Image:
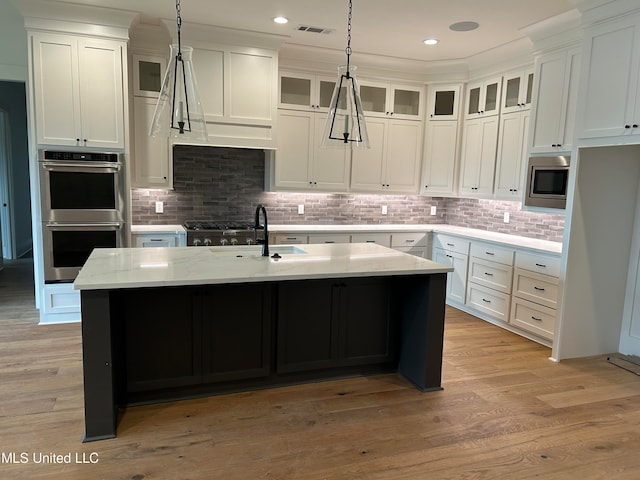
(394, 28)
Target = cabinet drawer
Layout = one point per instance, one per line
(410, 239)
(61, 298)
(285, 239)
(330, 238)
(539, 262)
(486, 300)
(159, 240)
(417, 251)
(533, 318)
(454, 244)
(492, 252)
(491, 274)
(383, 239)
(542, 289)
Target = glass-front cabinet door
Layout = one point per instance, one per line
(444, 102)
(518, 89)
(392, 101)
(300, 91)
(483, 98)
(148, 73)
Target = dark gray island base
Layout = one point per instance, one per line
(155, 344)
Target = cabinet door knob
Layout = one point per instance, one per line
(635, 125)
(627, 126)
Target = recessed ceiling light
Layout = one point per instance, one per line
(431, 41)
(463, 26)
(281, 20)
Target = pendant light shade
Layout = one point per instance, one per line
(345, 124)
(179, 112)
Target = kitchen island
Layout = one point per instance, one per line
(172, 323)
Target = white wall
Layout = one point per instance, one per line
(13, 43)
(600, 221)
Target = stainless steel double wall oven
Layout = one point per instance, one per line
(82, 204)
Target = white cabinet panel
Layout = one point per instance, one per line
(512, 154)
(248, 98)
(383, 239)
(533, 318)
(78, 88)
(491, 302)
(440, 149)
(480, 139)
(151, 165)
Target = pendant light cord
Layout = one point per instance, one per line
(179, 25)
(348, 49)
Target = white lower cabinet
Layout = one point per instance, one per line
(453, 251)
(489, 301)
(290, 239)
(513, 288)
(414, 243)
(383, 239)
(60, 303)
(535, 294)
(158, 240)
(330, 238)
(489, 279)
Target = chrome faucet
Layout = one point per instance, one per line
(264, 241)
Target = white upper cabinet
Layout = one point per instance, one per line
(78, 90)
(151, 165)
(238, 91)
(517, 91)
(444, 102)
(300, 163)
(301, 91)
(483, 98)
(512, 154)
(441, 144)
(148, 73)
(392, 163)
(397, 101)
(610, 99)
(555, 100)
(478, 162)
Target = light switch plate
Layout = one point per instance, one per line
(159, 207)
(433, 210)
(300, 209)
(384, 209)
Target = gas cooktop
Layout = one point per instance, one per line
(217, 226)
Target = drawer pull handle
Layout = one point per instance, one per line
(451, 244)
(409, 241)
(537, 319)
(541, 265)
(370, 241)
(450, 256)
(540, 289)
(488, 274)
(489, 253)
(486, 301)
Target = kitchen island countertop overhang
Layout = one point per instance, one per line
(161, 324)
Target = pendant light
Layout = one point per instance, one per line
(345, 123)
(179, 112)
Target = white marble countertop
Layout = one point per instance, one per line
(177, 229)
(154, 267)
(471, 233)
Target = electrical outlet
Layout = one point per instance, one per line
(506, 217)
(384, 209)
(300, 209)
(433, 210)
(159, 207)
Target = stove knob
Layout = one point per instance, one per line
(196, 242)
(207, 242)
(234, 241)
(249, 241)
(223, 241)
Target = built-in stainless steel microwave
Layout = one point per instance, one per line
(547, 180)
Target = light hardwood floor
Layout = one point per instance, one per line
(506, 412)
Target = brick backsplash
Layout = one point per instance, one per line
(218, 183)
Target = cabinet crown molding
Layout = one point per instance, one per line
(78, 19)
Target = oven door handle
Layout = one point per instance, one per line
(82, 167)
(93, 226)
